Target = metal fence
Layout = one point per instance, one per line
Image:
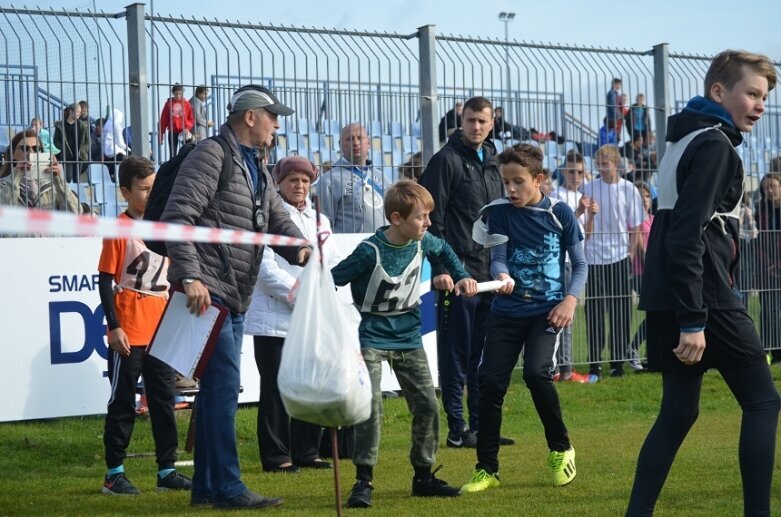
(398, 86)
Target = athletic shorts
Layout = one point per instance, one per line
(731, 342)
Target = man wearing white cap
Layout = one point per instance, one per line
(225, 274)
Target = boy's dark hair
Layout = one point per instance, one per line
(134, 167)
(402, 197)
(478, 104)
(727, 69)
(177, 88)
(200, 89)
(574, 157)
(70, 108)
(84, 104)
(525, 155)
(617, 80)
(413, 168)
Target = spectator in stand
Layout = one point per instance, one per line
(202, 122)
(451, 122)
(615, 109)
(22, 183)
(607, 135)
(84, 105)
(639, 156)
(768, 218)
(611, 245)
(351, 192)
(44, 136)
(115, 148)
(638, 118)
(584, 209)
(504, 131)
(413, 168)
(624, 113)
(96, 143)
(285, 444)
(71, 135)
(462, 178)
(176, 118)
(546, 185)
(89, 121)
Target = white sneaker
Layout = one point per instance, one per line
(634, 361)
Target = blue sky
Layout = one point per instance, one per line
(700, 27)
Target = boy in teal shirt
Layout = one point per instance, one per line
(384, 273)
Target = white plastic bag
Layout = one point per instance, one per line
(322, 377)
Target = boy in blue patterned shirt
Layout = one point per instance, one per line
(530, 234)
(384, 274)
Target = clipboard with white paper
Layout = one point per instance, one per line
(183, 340)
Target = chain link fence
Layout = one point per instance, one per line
(399, 88)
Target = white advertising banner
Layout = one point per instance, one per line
(53, 331)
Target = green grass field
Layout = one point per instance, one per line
(56, 467)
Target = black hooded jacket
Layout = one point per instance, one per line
(691, 261)
(461, 185)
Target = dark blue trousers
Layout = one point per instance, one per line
(461, 324)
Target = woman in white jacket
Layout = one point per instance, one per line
(285, 444)
(115, 149)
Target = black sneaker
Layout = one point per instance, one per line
(433, 487)
(174, 481)
(119, 484)
(248, 499)
(360, 495)
(616, 372)
(503, 440)
(467, 439)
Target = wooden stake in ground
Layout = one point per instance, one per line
(335, 458)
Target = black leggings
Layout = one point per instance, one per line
(757, 395)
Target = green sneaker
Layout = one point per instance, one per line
(563, 466)
(481, 480)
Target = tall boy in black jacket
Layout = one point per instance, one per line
(696, 320)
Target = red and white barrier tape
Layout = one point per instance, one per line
(22, 221)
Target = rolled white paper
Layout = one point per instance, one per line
(493, 285)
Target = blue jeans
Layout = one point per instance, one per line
(217, 472)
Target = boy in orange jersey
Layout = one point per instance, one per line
(133, 306)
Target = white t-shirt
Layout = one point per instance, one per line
(620, 208)
(571, 198)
